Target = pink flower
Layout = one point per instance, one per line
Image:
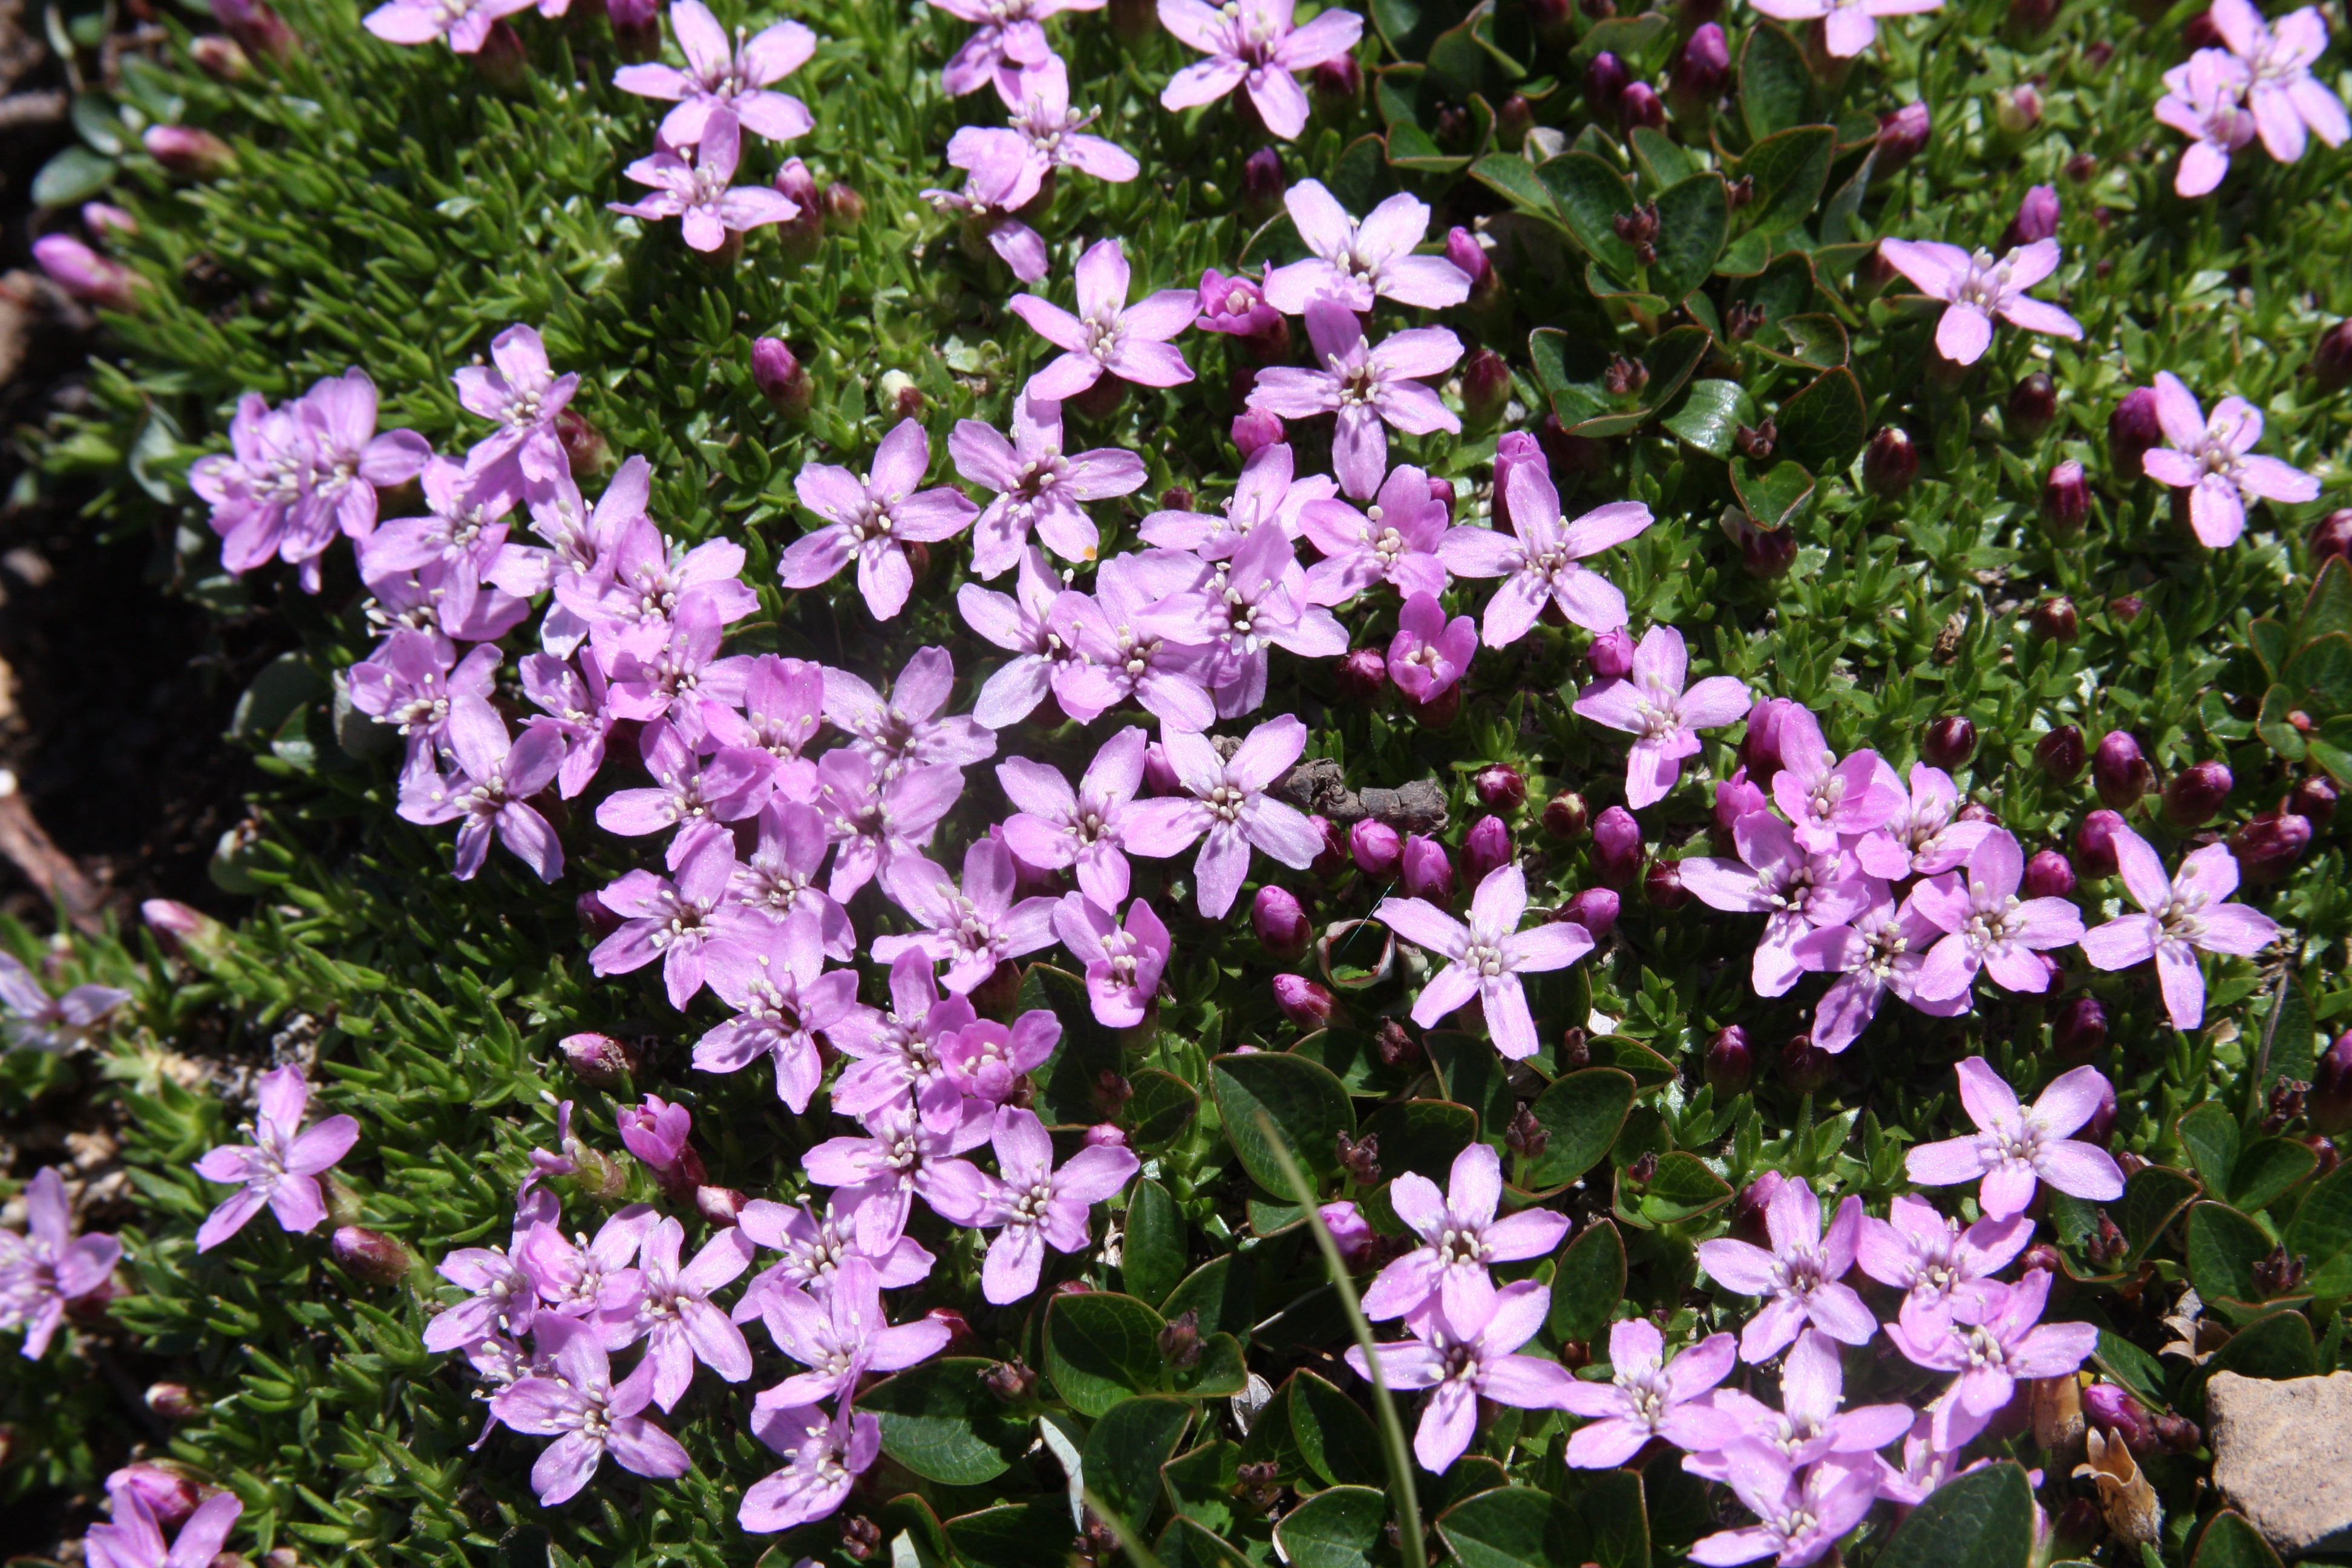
(1849, 27)
(778, 880)
(47, 1269)
(2185, 915)
(689, 791)
(1037, 1206)
(2203, 100)
(1809, 1425)
(1367, 388)
(1123, 967)
(873, 520)
(1775, 876)
(718, 78)
(1430, 653)
(897, 1054)
(1923, 839)
(1235, 306)
(973, 929)
(683, 1325)
(135, 1537)
(1800, 1516)
(1874, 953)
(465, 23)
(1058, 826)
(587, 1415)
(1992, 1342)
(1978, 288)
(1485, 958)
(822, 1459)
(1143, 642)
(1011, 43)
(2211, 460)
(900, 1159)
(1464, 1362)
(814, 1250)
(1037, 486)
(1253, 44)
(522, 393)
(906, 731)
(1800, 1277)
(2285, 98)
(678, 923)
(987, 1060)
(783, 701)
(1000, 181)
(1991, 927)
(1666, 720)
(1647, 1396)
(351, 460)
(1045, 132)
(84, 273)
(1225, 807)
(1540, 562)
(1826, 799)
(1039, 625)
(1266, 492)
(1393, 540)
(593, 1281)
(1931, 1259)
(655, 1132)
(501, 1298)
(1358, 264)
(1460, 1239)
(1107, 336)
(281, 1166)
(701, 192)
(1253, 601)
(774, 978)
(841, 1332)
(880, 829)
(2013, 1149)
(30, 1016)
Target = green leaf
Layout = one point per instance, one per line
(2322, 1234)
(2229, 1542)
(1334, 1529)
(940, 1421)
(75, 174)
(2222, 1247)
(1662, 160)
(1307, 1104)
(1981, 1520)
(1514, 179)
(2267, 1168)
(1187, 1543)
(1422, 1135)
(2320, 674)
(2131, 1366)
(2153, 1198)
(1776, 85)
(1125, 1450)
(1161, 1109)
(1201, 1483)
(2276, 1348)
(2291, 1043)
(1649, 1070)
(1337, 1441)
(1271, 1439)
(1618, 1525)
(1775, 497)
(1681, 1188)
(1220, 1374)
(1826, 423)
(1591, 197)
(1152, 1259)
(1221, 1291)
(1100, 1347)
(1069, 1080)
(1816, 340)
(1514, 1527)
(1693, 221)
(96, 121)
(1711, 415)
(1471, 1074)
(1582, 1113)
(1745, 257)
(2328, 608)
(1033, 1534)
(1790, 169)
(1588, 1283)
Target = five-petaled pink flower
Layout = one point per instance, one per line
(907, 731)
(1225, 807)
(1036, 485)
(1809, 1425)
(2014, 1149)
(1395, 540)
(1874, 953)
(874, 520)
(1776, 876)
(1801, 1275)
(586, 1413)
(1107, 336)
(281, 1166)
(1035, 1207)
(841, 1332)
(718, 77)
(465, 23)
(2184, 914)
(1123, 966)
(134, 1537)
(1430, 653)
(1357, 264)
(682, 1325)
(973, 929)
(1991, 1341)
(1648, 1396)
(1464, 1361)
(823, 1457)
(1978, 288)
(1484, 959)
(1800, 1514)
(1665, 719)
(2285, 98)
(1848, 26)
(1039, 625)
(2204, 100)
(701, 192)
(1252, 44)
(1011, 43)
(48, 1268)
(1058, 826)
(1989, 926)
(1367, 388)
(1932, 1259)
(523, 394)
(773, 976)
(2212, 461)
(1460, 1240)
(678, 923)
(1827, 800)
(1541, 562)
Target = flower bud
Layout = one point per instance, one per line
(2133, 430)
(1697, 75)
(2328, 1103)
(105, 220)
(1011, 1381)
(584, 445)
(2055, 620)
(1949, 742)
(1376, 847)
(2313, 799)
(2269, 844)
(1805, 1066)
(2120, 771)
(1549, 16)
(1513, 120)
(1766, 553)
(1500, 787)
(598, 1060)
(1440, 710)
(1160, 775)
(258, 28)
(1440, 493)
(843, 208)
(655, 1132)
(720, 1205)
(1486, 848)
(504, 64)
(781, 377)
(1617, 848)
(636, 28)
(1304, 1003)
(2101, 1127)
(1730, 1061)
(1335, 859)
(1748, 1212)
(1976, 811)
(1605, 77)
(370, 1255)
(1889, 463)
(84, 273)
(2036, 219)
(1262, 185)
(1281, 924)
(1566, 816)
(221, 58)
(179, 927)
(1486, 386)
(1394, 1044)
(1104, 1135)
(2017, 110)
(994, 997)
(1610, 656)
(1761, 751)
(2125, 608)
(2121, 1414)
(1254, 428)
(2331, 539)
(2079, 1028)
(2061, 753)
(2095, 843)
(2066, 499)
(2033, 406)
(802, 234)
(1362, 674)
(2196, 794)
(175, 1401)
(1594, 909)
(2031, 18)
(1463, 249)
(170, 1496)
(1428, 873)
(2177, 1433)
(1902, 136)
(1736, 797)
(2049, 875)
(1640, 105)
(2331, 357)
(1351, 1232)
(1339, 86)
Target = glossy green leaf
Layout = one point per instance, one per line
(1591, 197)
(1069, 1080)
(1100, 1347)
(1514, 1527)
(2152, 1197)
(1710, 416)
(1775, 498)
(1693, 221)
(2229, 1542)
(940, 1420)
(1514, 179)
(1221, 1372)
(1032, 1534)
(1681, 1188)
(1151, 1259)
(2321, 1233)
(1615, 1520)
(1790, 168)
(1824, 425)
(1662, 160)
(2265, 1171)
(1336, 1439)
(1202, 1482)
(1422, 1135)
(1334, 1529)
(1819, 341)
(1221, 1291)
(2210, 1135)
(1776, 85)
(75, 174)
(1581, 1115)
(2221, 1249)
(1589, 1282)
(1308, 1105)
(1126, 1449)
(2277, 1348)
(1161, 1111)
(1981, 1520)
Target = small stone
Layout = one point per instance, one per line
(2282, 1457)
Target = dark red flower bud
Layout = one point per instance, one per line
(1439, 710)
(1566, 816)
(2095, 843)
(595, 920)
(2329, 1102)
(844, 209)
(1594, 909)
(1262, 185)
(2201, 32)
(2125, 608)
(1335, 859)
(2179, 1433)
(2049, 875)
(1872, 274)
(2132, 430)
(504, 63)
(2268, 846)
(1280, 922)
(1902, 136)
(175, 1401)
(170, 1496)
(2121, 771)
(1362, 674)
(1339, 84)
(1949, 741)
(2036, 219)
(1302, 1001)
(370, 1255)
(1697, 75)
(1526, 1137)
(1749, 1210)
(1730, 1061)
(1513, 120)
(1662, 885)
(1638, 105)
(1470, 259)
(1604, 81)
(720, 1205)
(2061, 753)
(2066, 499)
(636, 28)
(2055, 620)
(800, 235)
(1889, 463)
(2033, 406)
(1805, 1066)
(1486, 386)
(1617, 848)
(2313, 799)
(781, 377)
(1394, 1043)
(1500, 787)
(1427, 871)
(2331, 537)
(2079, 1028)
(2197, 793)
(2331, 357)
(2017, 110)
(1976, 811)
(1768, 553)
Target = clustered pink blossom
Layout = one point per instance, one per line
(2260, 83)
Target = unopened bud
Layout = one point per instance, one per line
(173, 1401)
(2331, 358)
(260, 29)
(1486, 848)
(636, 28)
(1662, 886)
(188, 151)
(1748, 1212)
(1594, 909)
(84, 273)
(1104, 1135)
(1255, 429)
(2095, 843)
(2197, 793)
(803, 234)
(781, 377)
(1426, 870)
(1697, 75)
(1730, 1061)
(2121, 1414)
(720, 1205)
(170, 1496)
(1335, 859)
(2269, 844)
(2179, 1433)
(1902, 136)
(1766, 553)
(1339, 86)
(1804, 1066)
(2121, 771)
(597, 919)
(2032, 405)
(1500, 787)
(2049, 875)
(2061, 755)
(1526, 1137)
(1281, 924)
(584, 445)
(2036, 219)
(1949, 741)
(1889, 463)
(1639, 105)
(2133, 430)
(1605, 77)
(1486, 386)
(599, 1059)
(1262, 185)
(2328, 1104)
(1354, 1237)
(844, 209)
(1463, 249)
(1513, 120)
(1617, 848)
(2079, 1028)
(1566, 816)
(370, 1255)
(2017, 110)
(504, 64)
(2066, 499)
(221, 58)
(2031, 18)
(1611, 655)
(2055, 620)
(1304, 1003)
(1377, 848)
(1362, 674)
(2313, 799)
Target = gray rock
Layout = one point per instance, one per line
(2282, 1457)
(1316, 786)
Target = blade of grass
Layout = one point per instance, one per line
(1393, 1449)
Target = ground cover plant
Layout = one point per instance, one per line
(1514, 784)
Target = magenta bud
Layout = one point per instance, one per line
(598, 1060)
(1463, 249)
(2331, 357)
(1160, 775)
(170, 1496)
(1902, 136)
(2126, 607)
(1281, 924)
(1486, 848)
(1889, 463)
(1949, 741)
(1565, 815)
(2061, 753)
(2133, 430)
(1261, 184)
(1730, 1061)
(1594, 909)
(584, 445)
(1486, 386)
(2313, 799)
(2328, 1103)
(1662, 886)
(636, 28)
(221, 58)
(186, 151)
(843, 208)
(1427, 872)
(2032, 405)
(655, 1132)
(175, 1401)
(2197, 793)
(1736, 797)
(1106, 1135)
(1617, 848)
(1351, 1232)
(720, 1205)
(1513, 120)
(2102, 1124)
(1766, 553)
(1362, 674)
(2269, 844)
(2095, 843)
(1761, 751)
(1755, 1201)
(2079, 1028)
(254, 24)
(2017, 110)
(1441, 491)
(1304, 1003)
(1976, 811)
(2049, 875)
(1500, 787)
(83, 272)
(370, 1255)
(103, 219)
(1514, 449)
(1699, 71)
(2031, 18)
(803, 232)
(1873, 273)
(171, 918)
(2121, 1414)
(781, 377)
(1338, 85)
(2120, 771)
(2066, 499)
(1805, 1066)
(1604, 82)
(1377, 848)
(2054, 620)
(1254, 428)
(2036, 219)
(1640, 105)
(1611, 656)
(2331, 539)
